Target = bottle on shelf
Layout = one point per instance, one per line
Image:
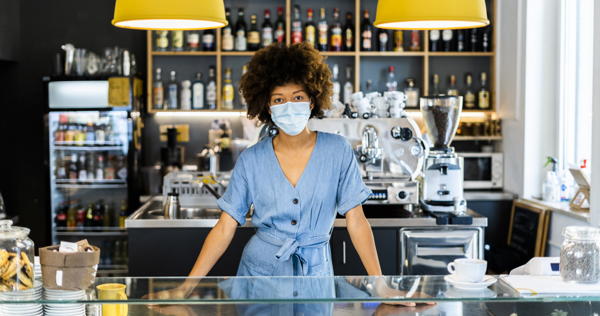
(90, 166)
(162, 40)
(310, 30)
(228, 90)
(121, 168)
(398, 41)
(383, 38)
(469, 94)
(348, 33)
(177, 40)
(81, 169)
(173, 91)
(323, 31)
(366, 32)
(460, 41)
(158, 90)
(335, 70)
(391, 83)
(452, 90)
(241, 43)
(208, 40)
(227, 37)
(73, 171)
(448, 40)
(123, 214)
(100, 167)
(336, 42)
(435, 89)
(211, 89)
(109, 171)
(267, 30)
(198, 92)
(72, 214)
(61, 216)
(90, 134)
(241, 96)
(412, 93)
(348, 87)
(473, 42)
(253, 34)
(415, 41)
(61, 167)
(486, 39)
(296, 26)
(192, 40)
(280, 27)
(89, 216)
(484, 93)
(186, 95)
(434, 40)
(98, 218)
(107, 220)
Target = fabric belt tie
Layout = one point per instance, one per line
(289, 246)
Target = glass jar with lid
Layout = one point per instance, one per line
(580, 254)
(16, 257)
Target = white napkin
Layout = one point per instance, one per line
(545, 285)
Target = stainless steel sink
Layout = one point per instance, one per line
(185, 213)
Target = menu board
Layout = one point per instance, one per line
(528, 230)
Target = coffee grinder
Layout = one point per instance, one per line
(442, 192)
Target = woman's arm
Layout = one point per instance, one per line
(362, 239)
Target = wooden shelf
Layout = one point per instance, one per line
(462, 54)
(237, 53)
(382, 54)
(338, 53)
(186, 53)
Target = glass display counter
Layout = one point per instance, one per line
(430, 295)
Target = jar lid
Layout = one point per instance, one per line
(582, 233)
(8, 231)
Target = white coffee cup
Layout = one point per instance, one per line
(468, 270)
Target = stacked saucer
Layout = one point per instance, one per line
(64, 309)
(33, 294)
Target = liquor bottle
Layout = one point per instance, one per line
(177, 40)
(452, 90)
(337, 88)
(228, 90)
(412, 94)
(89, 216)
(198, 92)
(336, 44)
(447, 38)
(460, 41)
(485, 39)
(61, 216)
(434, 40)
(158, 90)
(323, 32)
(366, 34)
(253, 34)
(383, 38)
(123, 214)
(173, 91)
(107, 220)
(192, 40)
(208, 40)
(267, 29)
(415, 41)
(435, 91)
(391, 84)
(484, 93)
(398, 41)
(98, 214)
(240, 32)
(109, 171)
(296, 26)
(81, 169)
(211, 89)
(186, 95)
(72, 215)
(473, 44)
(100, 167)
(162, 40)
(348, 33)
(242, 100)
(90, 166)
(61, 170)
(348, 87)
(73, 172)
(469, 94)
(310, 31)
(227, 38)
(280, 27)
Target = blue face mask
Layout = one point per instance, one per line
(291, 117)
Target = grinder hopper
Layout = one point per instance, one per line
(441, 115)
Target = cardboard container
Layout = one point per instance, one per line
(68, 271)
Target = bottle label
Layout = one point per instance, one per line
(469, 100)
(173, 97)
(484, 99)
(447, 35)
(383, 39)
(178, 39)
(280, 35)
(366, 35)
(162, 42)
(198, 96)
(349, 39)
(267, 36)
(434, 35)
(227, 40)
(336, 38)
(208, 40)
(240, 40)
(322, 34)
(211, 94)
(310, 34)
(186, 99)
(253, 37)
(193, 40)
(398, 41)
(296, 32)
(412, 98)
(158, 93)
(415, 41)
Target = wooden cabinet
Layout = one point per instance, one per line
(346, 260)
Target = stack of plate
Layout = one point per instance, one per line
(33, 294)
(64, 309)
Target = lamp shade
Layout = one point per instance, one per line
(169, 15)
(431, 14)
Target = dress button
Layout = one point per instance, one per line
(295, 201)
(295, 293)
(294, 222)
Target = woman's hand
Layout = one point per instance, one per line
(381, 289)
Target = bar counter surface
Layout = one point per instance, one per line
(340, 295)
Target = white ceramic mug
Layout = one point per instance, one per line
(468, 270)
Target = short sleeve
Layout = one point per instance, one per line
(236, 200)
(351, 190)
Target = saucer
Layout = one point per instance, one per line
(487, 281)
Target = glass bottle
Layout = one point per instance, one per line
(162, 40)
(412, 94)
(486, 39)
(435, 90)
(336, 84)
(460, 41)
(448, 39)
(296, 26)
(192, 39)
(198, 92)
(348, 33)
(398, 41)
(366, 34)
(253, 34)
(323, 32)
(211, 89)
(158, 90)
(173, 91)
(452, 90)
(267, 29)
(177, 40)
(415, 41)
(208, 40)
(280, 27)
(484, 93)
(241, 43)
(241, 95)
(469, 94)
(186, 95)
(228, 90)
(310, 31)
(391, 84)
(473, 43)
(383, 38)
(434, 40)
(336, 44)
(348, 87)
(227, 38)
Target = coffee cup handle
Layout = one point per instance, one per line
(124, 308)
(451, 268)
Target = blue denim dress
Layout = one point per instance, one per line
(294, 224)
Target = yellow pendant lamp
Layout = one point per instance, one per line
(431, 14)
(169, 14)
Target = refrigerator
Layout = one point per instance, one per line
(93, 130)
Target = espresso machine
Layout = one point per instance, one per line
(442, 186)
